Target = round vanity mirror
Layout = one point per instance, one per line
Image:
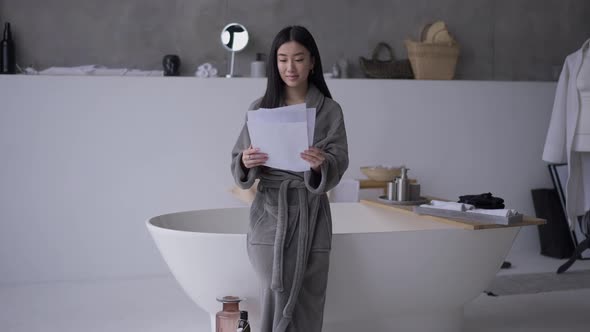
(234, 37)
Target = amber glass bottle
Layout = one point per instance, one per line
(227, 319)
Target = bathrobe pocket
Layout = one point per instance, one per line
(322, 240)
(264, 225)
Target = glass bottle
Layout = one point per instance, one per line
(243, 324)
(227, 319)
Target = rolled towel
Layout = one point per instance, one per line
(212, 72)
(206, 66)
(496, 212)
(201, 73)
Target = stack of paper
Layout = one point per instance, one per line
(283, 133)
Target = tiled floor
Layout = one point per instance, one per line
(158, 304)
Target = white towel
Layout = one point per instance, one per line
(449, 206)
(206, 70)
(496, 212)
(109, 72)
(201, 73)
(156, 73)
(97, 70)
(207, 66)
(137, 72)
(444, 207)
(82, 70)
(31, 71)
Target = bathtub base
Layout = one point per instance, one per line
(447, 321)
(439, 321)
(398, 280)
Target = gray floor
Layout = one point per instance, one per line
(158, 304)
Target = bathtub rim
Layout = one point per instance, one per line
(153, 227)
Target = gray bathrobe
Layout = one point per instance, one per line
(290, 230)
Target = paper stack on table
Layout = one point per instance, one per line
(283, 133)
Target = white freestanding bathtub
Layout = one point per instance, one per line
(389, 270)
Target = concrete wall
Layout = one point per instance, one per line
(86, 160)
(500, 39)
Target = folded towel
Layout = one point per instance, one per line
(496, 212)
(83, 70)
(95, 70)
(449, 205)
(109, 72)
(156, 73)
(31, 71)
(137, 72)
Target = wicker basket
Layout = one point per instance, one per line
(381, 173)
(389, 68)
(433, 61)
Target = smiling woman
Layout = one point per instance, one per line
(290, 230)
(295, 65)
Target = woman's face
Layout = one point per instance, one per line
(294, 63)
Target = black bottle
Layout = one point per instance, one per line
(243, 324)
(7, 58)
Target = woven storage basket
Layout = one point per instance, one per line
(433, 61)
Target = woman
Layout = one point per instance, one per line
(290, 231)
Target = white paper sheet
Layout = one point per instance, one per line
(288, 115)
(278, 132)
(283, 142)
(276, 116)
(296, 107)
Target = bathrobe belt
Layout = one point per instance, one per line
(308, 211)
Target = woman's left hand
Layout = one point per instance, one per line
(314, 156)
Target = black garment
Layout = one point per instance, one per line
(483, 201)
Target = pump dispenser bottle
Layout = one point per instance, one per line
(7, 56)
(401, 184)
(258, 67)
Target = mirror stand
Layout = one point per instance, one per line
(231, 65)
(234, 37)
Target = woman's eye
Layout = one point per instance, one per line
(282, 60)
(299, 60)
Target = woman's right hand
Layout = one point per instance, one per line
(252, 157)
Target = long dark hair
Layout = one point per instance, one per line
(275, 87)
